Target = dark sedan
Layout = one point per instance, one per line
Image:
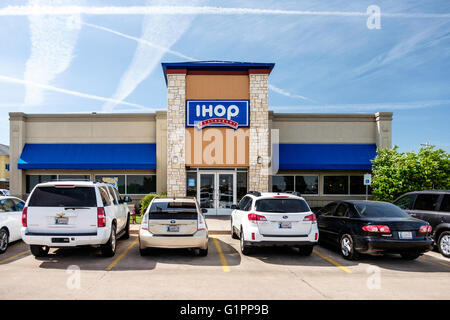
(373, 227)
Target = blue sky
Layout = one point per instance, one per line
(108, 58)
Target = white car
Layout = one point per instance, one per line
(74, 213)
(10, 221)
(274, 219)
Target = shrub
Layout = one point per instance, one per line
(147, 199)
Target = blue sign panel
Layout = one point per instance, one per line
(217, 113)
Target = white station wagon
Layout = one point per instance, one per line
(10, 221)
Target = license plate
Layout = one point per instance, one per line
(173, 228)
(285, 225)
(405, 235)
(62, 220)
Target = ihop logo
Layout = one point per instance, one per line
(217, 113)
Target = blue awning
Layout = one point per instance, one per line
(327, 156)
(88, 156)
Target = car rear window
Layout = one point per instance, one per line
(281, 205)
(63, 197)
(380, 210)
(173, 210)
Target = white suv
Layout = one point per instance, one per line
(74, 213)
(271, 219)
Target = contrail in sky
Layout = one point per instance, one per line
(192, 10)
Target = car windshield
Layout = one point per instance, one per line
(63, 197)
(282, 205)
(380, 210)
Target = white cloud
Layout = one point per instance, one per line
(53, 39)
(288, 94)
(44, 86)
(161, 29)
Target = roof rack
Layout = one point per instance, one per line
(255, 193)
(63, 180)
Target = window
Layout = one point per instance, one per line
(241, 184)
(379, 210)
(281, 205)
(307, 184)
(342, 210)
(445, 205)
(113, 195)
(426, 202)
(335, 184)
(357, 185)
(173, 210)
(405, 202)
(191, 184)
(282, 183)
(141, 184)
(81, 177)
(328, 209)
(63, 197)
(117, 180)
(7, 205)
(33, 180)
(19, 204)
(243, 203)
(105, 197)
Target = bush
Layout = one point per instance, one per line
(147, 199)
(396, 173)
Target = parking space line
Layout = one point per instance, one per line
(120, 257)
(435, 260)
(16, 256)
(332, 261)
(223, 261)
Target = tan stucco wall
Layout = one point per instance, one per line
(4, 160)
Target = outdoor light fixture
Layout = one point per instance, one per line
(259, 160)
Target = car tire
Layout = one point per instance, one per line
(109, 248)
(305, 250)
(233, 234)
(39, 251)
(444, 243)
(347, 248)
(245, 249)
(409, 255)
(4, 240)
(143, 252)
(126, 235)
(203, 252)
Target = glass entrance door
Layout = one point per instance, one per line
(217, 191)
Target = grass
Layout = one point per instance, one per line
(138, 219)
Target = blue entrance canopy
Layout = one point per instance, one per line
(88, 156)
(327, 156)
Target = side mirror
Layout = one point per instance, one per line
(204, 210)
(127, 199)
(233, 206)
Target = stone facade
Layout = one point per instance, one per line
(384, 130)
(258, 173)
(176, 117)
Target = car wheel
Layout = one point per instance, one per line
(245, 249)
(444, 244)
(233, 234)
(39, 251)
(4, 240)
(109, 248)
(409, 255)
(347, 248)
(305, 250)
(143, 252)
(126, 235)
(203, 252)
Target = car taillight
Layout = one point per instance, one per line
(377, 229)
(253, 217)
(311, 217)
(201, 224)
(24, 216)
(425, 229)
(101, 217)
(144, 223)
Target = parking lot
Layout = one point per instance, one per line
(269, 273)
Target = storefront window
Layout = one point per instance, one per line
(307, 184)
(141, 184)
(33, 180)
(241, 185)
(357, 185)
(117, 180)
(191, 184)
(335, 184)
(282, 183)
(80, 177)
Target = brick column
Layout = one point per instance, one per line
(176, 117)
(258, 174)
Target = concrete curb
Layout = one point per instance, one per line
(213, 232)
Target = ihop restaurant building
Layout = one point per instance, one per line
(217, 140)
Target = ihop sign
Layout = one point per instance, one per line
(217, 113)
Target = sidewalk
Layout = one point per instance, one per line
(216, 225)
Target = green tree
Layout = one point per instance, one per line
(395, 173)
